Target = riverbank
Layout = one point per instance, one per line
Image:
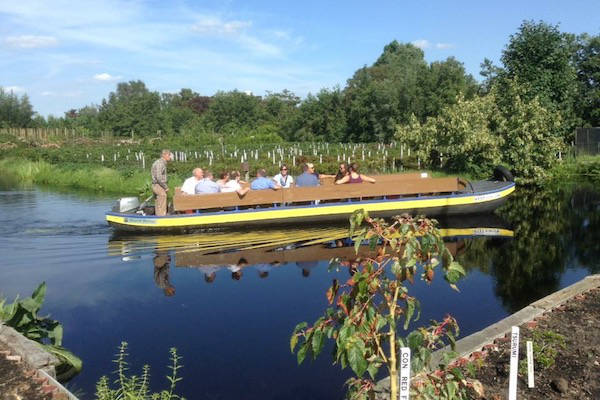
(563, 327)
(27, 370)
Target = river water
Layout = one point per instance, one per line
(233, 328)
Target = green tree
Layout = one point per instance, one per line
(386, 94)
(231, 112)
(15, 111)
(442, 84)
(539, 57)
(462, 137)
(587, 62)
(321, 117)
(529, 132)
(132, 108)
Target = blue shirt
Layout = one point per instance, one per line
(307, 179)
(262, 183)
(205, 186)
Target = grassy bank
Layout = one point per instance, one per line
(79, 177)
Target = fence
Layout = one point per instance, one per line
(43, 135)
(587, 141)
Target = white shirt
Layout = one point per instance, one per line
(231, 186)
(285, 182)
(189, 185)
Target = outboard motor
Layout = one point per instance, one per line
(126, 204)
(502, 174)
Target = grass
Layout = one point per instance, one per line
(81, 177)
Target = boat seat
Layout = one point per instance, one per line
(414, 186)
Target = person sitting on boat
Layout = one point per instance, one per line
(354, 176)
(307, 178)
(236, 269)
(207, 185)
(159, 182)
(189, 185)
(231, 183)
(262, 182)
(342, 172)
(284, 179)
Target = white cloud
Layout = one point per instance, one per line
(106, 77)
(30, 41)
(209, 25)
(421, 43)
(444, 46)
(14, 89)
(47, 93)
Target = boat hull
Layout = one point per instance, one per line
(483, 197)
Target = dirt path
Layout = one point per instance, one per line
(567, 364)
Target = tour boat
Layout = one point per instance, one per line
(414, 193)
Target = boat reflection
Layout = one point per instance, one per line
(262, 251)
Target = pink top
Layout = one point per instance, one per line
(355, 180)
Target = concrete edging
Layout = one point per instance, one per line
(477, 340)
(35, 356)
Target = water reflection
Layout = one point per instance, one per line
(224, 255)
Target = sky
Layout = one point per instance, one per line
(66, 54)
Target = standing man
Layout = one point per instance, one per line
(159, 182)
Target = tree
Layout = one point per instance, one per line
(321, 117)
(539, 58)
(386, 94)
(15, 111)
(443, 83)
(587, 63)
(462, 137)
(366, 311)
(233, 111)
(132, 108)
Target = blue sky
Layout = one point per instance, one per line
(67, 54)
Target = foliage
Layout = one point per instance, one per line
(587, 64)
(15, 111)
(461, 138)
(530, 133)
(22, 315)
(363, 320)
(138, 387)
(132, 109)
(539, 58)
(546, 345)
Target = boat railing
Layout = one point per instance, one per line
(324, 193)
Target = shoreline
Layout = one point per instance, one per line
(478, 341)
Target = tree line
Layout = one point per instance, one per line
(547, 84)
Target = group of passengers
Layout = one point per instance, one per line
(203, 182)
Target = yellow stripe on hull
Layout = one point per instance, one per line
(290, 213)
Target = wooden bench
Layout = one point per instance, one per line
(404, 187)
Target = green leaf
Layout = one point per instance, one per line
(372, 369)
(317, 342)
(410, 310)
(451, 388)
(56, 334)
(70, 363)
(302, 352)
(301, 325)
(39, 294)
(293, 342)
(415, 340)
(356, 360)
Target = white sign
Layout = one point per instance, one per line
(404, 373)
(530, 382)
(514, 363)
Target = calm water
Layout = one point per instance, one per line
(158, 292)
